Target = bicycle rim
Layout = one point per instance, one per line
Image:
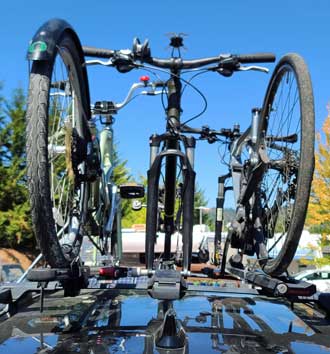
(288, 115)
(65, 155)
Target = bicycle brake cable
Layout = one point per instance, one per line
(187, 83)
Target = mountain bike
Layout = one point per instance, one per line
(271, 163)
(271, 166)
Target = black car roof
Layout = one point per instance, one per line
(228, 319)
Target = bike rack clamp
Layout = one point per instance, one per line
(167, 284)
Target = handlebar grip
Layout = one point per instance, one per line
(98, 52)
(256, 58)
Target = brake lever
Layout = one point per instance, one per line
(99, 62)
(122, 61)
(151, 92)
(253, 67)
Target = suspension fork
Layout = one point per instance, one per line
(188, 203)
(186, 161)
(173, 122)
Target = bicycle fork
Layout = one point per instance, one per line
(187, 163)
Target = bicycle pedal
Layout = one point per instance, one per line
(131, 190)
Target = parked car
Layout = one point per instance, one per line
(320, 277)
(10, 272)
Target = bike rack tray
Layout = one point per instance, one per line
(280, 286)
(53, 274)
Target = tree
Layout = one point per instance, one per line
(121, 175)
(131, 217)
(15, 225)
(15, 220)
(318, 217)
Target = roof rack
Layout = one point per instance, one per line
(163, 284)
(283, 285)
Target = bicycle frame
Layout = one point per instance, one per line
(250, 138)
(243, 189)
(104, 192)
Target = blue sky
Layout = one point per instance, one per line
(213, 27)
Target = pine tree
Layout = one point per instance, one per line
(121, 175)
(15, 226)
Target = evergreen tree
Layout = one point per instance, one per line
(121, 175)
(15, 226)
(15, 220)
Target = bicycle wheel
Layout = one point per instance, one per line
(56, 147)
(288, 129)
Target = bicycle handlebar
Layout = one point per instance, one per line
(98, 52)
(207, 133)
(256, 58)
(178, 63)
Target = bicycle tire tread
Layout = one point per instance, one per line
(280, 264)
(37, 171)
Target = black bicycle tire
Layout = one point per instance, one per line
(37, 150)
(278, 265)
(152, 217)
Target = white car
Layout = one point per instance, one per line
(320, 277)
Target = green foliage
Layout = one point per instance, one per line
(320, 229)
(131, 217)
(15, 226)
(15, 221)
(121, 175)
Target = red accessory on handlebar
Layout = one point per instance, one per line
(144, 78)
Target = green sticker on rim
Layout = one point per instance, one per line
(38, 46)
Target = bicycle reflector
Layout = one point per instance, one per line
(144, 79)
